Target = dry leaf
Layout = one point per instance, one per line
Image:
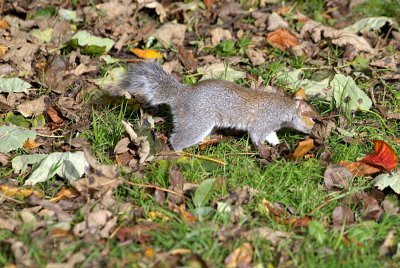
(146, 53)
(266, 233)
(33, 107)
(385, 248)
(170, 33)
(65, 193)
(337, 177)
(360, 169)
(3, 50)
(3, 24)
(303, 148)
(371, 209)
(219, 34)
(8, 224)
(18, 192)
(282, 39)
(54, 115)
(342, 215)
(276, 22)
(240, 257)
(31, 144)
(256, 57)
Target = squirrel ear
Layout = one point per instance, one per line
(300, 95)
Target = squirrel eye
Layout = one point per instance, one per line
(314, 119)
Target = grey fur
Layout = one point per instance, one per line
(212, 103)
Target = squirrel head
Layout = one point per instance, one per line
(305, 115)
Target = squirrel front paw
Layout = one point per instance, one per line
(272, 139)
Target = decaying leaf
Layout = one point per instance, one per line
(383, 156)
(385, 248)
(275, 22)
(240, 257)
(14, 85)
(100, 178)
(170, 33)
(18, 192)
(303, 148)
(282, 39)
(360, 169)
(266, 233)
(67, 165)
(220, 71)
(371, 209)
(218, 34)
(90, 44)
(140, 141)
(337, 177)
(388, 180)
(13, 137)
(348, 96)
(33, 107)
(368, 24)
(342, 215)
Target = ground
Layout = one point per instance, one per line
(89, 179)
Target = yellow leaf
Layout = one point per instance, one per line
(146, 53)
(303, 148)
(31, 144)
(13, 191)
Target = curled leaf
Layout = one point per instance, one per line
(146, 53)
(383, 156)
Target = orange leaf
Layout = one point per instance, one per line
(186, 215)
(146, 53)
(31, 144)
(3, 50)
(4, 24)
(303, 148)
(65, 193)
(383, 156)
(209, 4)
(283, 10)
(282, 39)
(360, 169)
(54, 115)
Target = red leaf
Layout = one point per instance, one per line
(383, 156)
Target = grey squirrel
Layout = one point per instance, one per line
(214, 103)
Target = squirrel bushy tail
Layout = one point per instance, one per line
(149, 83)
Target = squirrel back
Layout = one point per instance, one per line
(214, 103)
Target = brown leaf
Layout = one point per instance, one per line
(176, 181)
(359, 169)
(33, 107)
(54, 115)
(388, 244)
(267, 233)
(100, 178)
(275, 22)
(282, 39)
(159, 196)
(371, 209)
(342, 215)
(240, 257)
(189, 218)
(337, 177)
(187, 58)
(140, 233)
(322, 130)
(219, 34)
(8, 224)
(303, 148)
(65, 193)
(3, 50)
(3, 24)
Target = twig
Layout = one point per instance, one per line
(204, 158)
(49, 136)
(11, 199)
(154, 187)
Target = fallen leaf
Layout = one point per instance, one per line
(342, 215)
(65, 193)
(383, 156)
(33, 107)
(275, 22)
(67, 165)
(146, 53)
(13, 137)
(170, 33)
(140, 233)
(256, 57)
(54, 115)
(371, 209)
(14, 85)
(4, 24)
(18, 192)
(266, 233)
(189, 218)
(3, 50)
(368, 24)
(31, 144)
(90, 44)
(8, 224)
(203, 193)
(388, 180)
(159, 8)
(348, 96)
(240, 257)
(176, 182)
(360, 169)
(337, 177)
(282, 39)
(101, 179)
(303, 148)
(218, 34)
(220, 71)
(387, 245)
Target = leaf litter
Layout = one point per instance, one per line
(49, 66)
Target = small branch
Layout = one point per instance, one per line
(153, 186)
(204, 158)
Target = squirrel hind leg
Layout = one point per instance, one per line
(187, 136)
